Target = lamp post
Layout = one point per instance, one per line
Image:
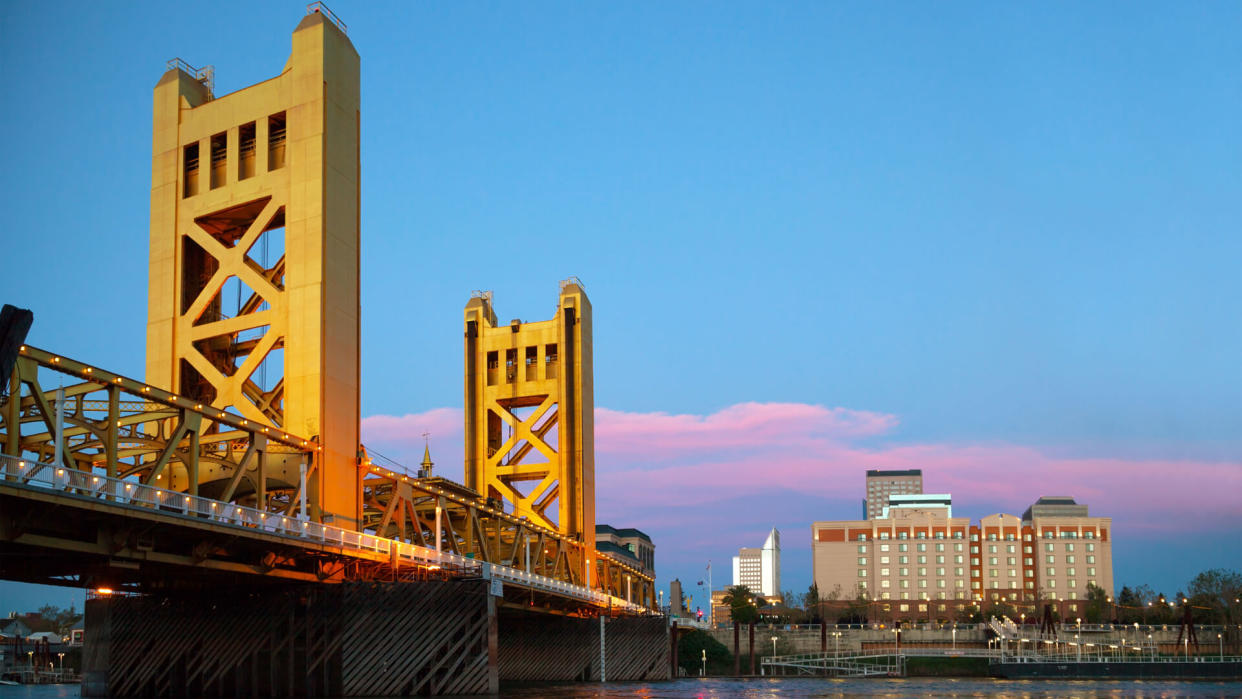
(62, 662)
(896, 642)
(1078, 648)
(1153, 647)
(1221, 642)
(703, 672)
(954, 638)
(836, 640)
(774, 646)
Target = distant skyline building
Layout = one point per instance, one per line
(760, 568)
(916, 502)
(630, 545)
(882, 484)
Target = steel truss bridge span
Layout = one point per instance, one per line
(111, 443)
(72, 488)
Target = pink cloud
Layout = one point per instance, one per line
(742, 426)
(691, 466)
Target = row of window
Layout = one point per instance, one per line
(247, 135)
(526, 366)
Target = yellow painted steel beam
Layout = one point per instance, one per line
(275, 161)
(524, 382)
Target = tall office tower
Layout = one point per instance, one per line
(253, 303)
(881, 484)
(759, 569)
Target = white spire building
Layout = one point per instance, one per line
(760, 568)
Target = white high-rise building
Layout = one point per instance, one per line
(759, 569)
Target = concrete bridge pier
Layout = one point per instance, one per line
(353, 639)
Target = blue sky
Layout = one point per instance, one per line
(1008, 226)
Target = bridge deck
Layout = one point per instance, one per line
(61, 520)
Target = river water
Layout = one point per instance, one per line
(808, 688)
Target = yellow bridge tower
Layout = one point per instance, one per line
(253, 298)
(529, 413)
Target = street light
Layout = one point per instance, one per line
(837, 641)
(1221, 642)
(62, 662)
(954, 638)
(774, 646)
(1078, 647)
(703, 672)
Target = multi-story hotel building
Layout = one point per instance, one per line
(881, 484)
(921, 561)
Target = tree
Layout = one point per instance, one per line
(1219, 590)
(741, 603)
(1097, 604)
(690, 648)
(1000, 610)
(61, 620)
(810, 602)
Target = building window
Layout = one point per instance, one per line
(862, 572)
(959, 583)
(939, 559)
(1013, 573)
(862, 560)
(1069, 571)
(939, 547)
(1069, 547)
(885, 584)
(219, 159)
(991, 572)
(884, 547)
(1069, 559)
(974, 549)
(941, 584)
(903, 547)
(1090, 548)
(992, 548)
(1011, 549)
(189, 163)
(957, 571)
(903, 559)
(245, 150)
(1051, 559)
(904, 583)
(276, 141)
(1091, 572)
(862, 549)
(884, 560)
(1052, 584)
(884, 572)
(1052, 572)
(904, 572)
(922, 547)
(922, 583)
(922, 571)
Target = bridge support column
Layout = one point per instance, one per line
(751, 642)
(672, 650)
(737, 649)
(537, 647)
(348, 640)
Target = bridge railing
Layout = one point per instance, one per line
(131, 493)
